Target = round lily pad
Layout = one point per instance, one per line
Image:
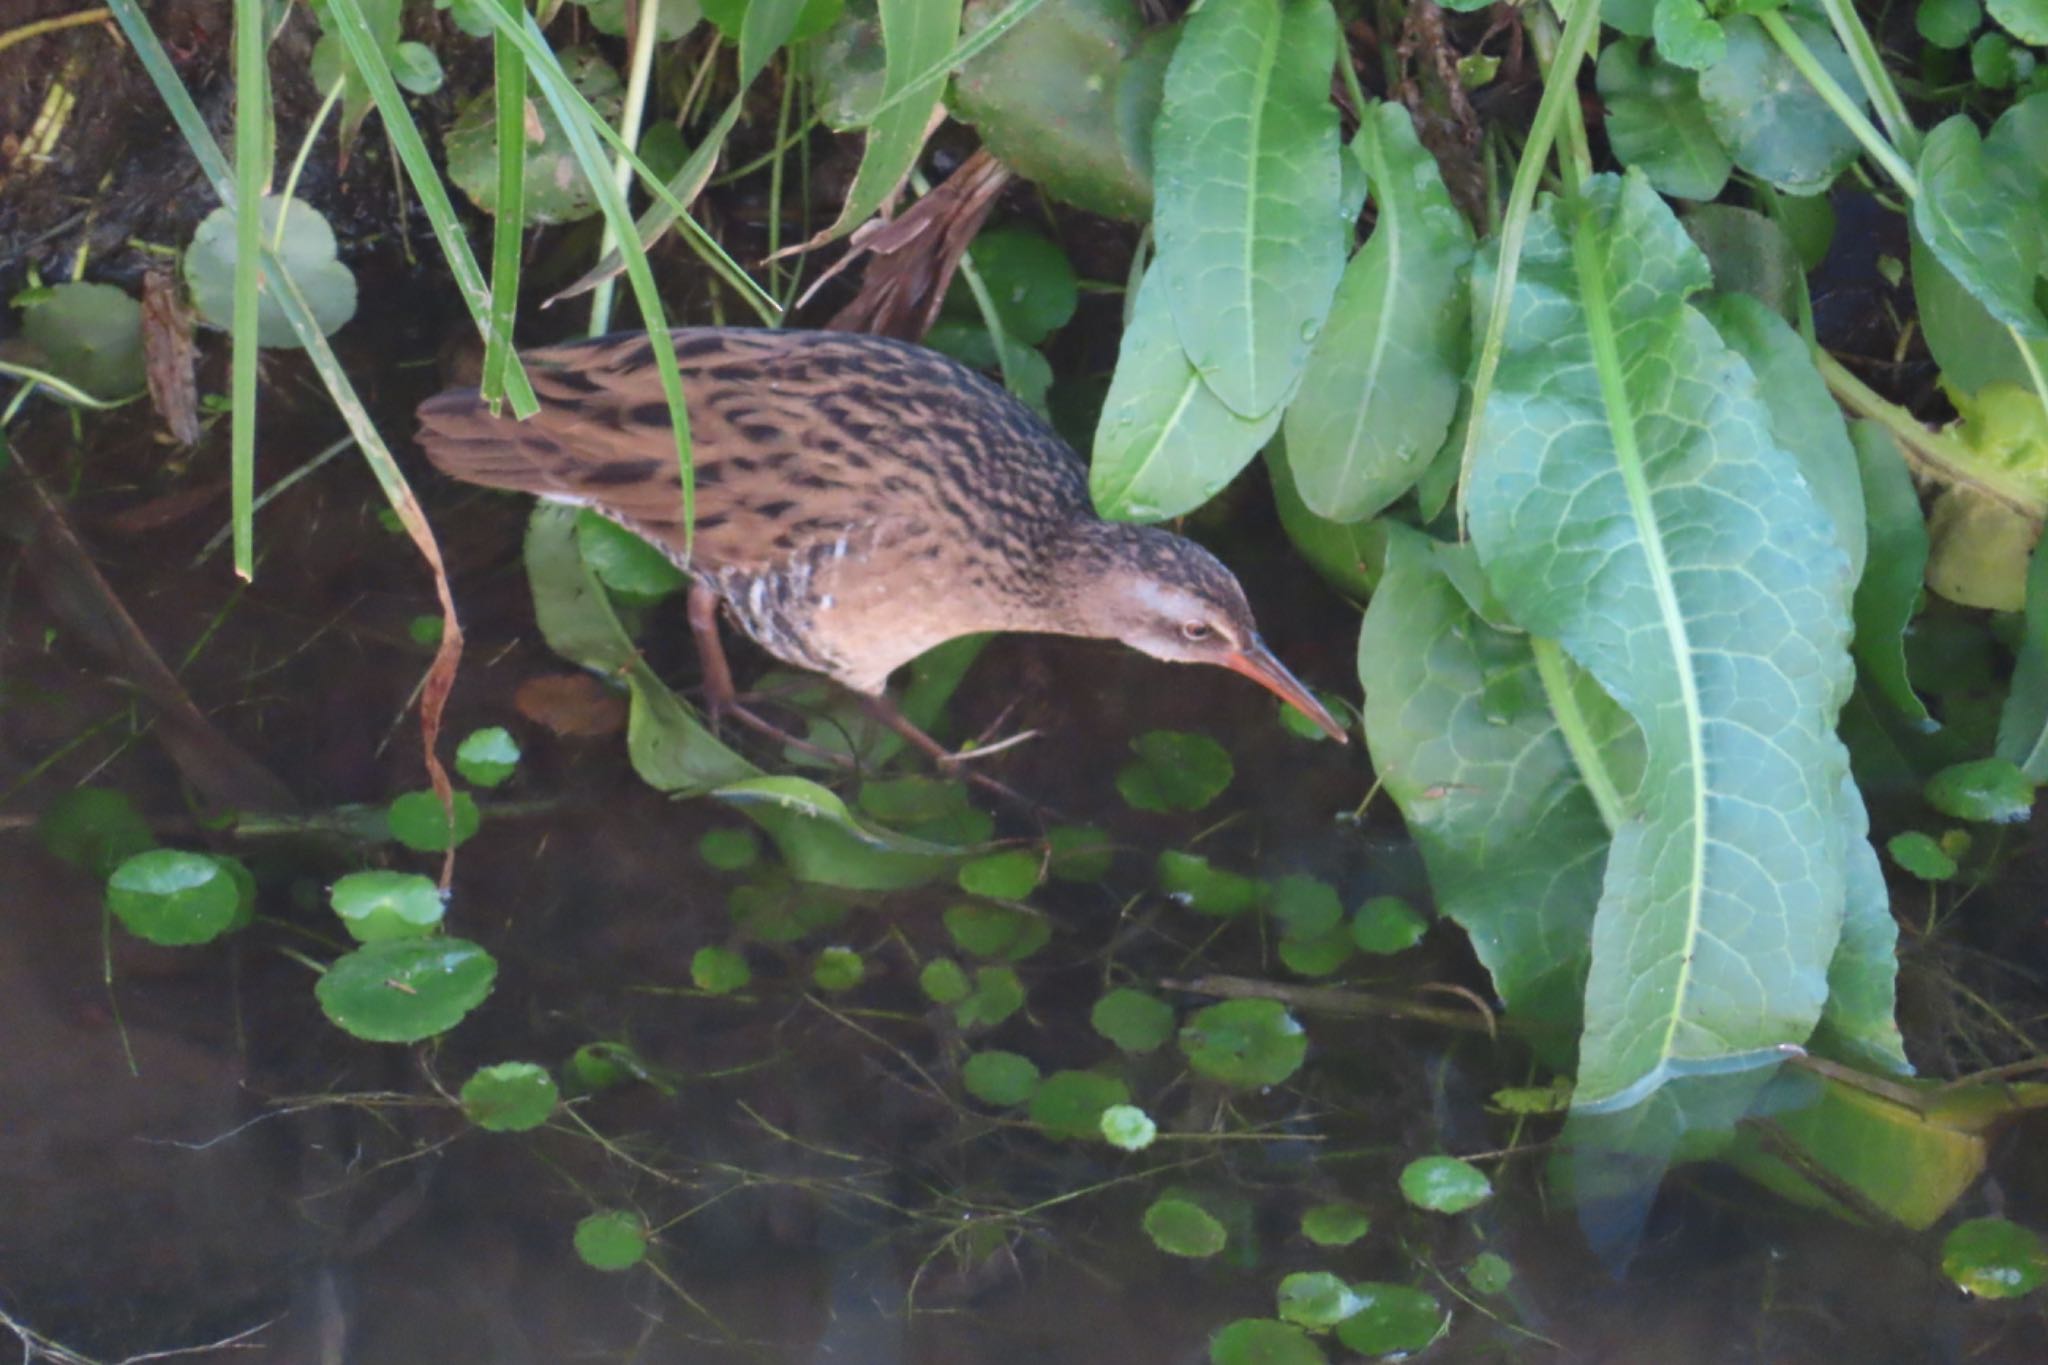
(1489, 1273)
(1010, 875)
(556, 191)
(1387, 924)
(997, 931)
(89, 334)
(999, 1078)
(838, 969)
(488, 756)
(1245, 1042)
(998, 993)
(1990, 790)
(1391, 1319)
(1127, 1127)
(510, 1097)
(1994, 1258)
(1175, 771)
(1444, 1184)
(404, 989)
(1262, 1341)
(173, 897)
(1181, 1227)
(378, 905)
(614, 1240)
(1079, 853)
(944, 982)
(418, 820)
(1069, 1104)
(94, 828)
(1307, 907)
(307, 250)
(719, 971)
(1335, 1225)
(1202, 887)
(1134, 1021)
(1316, 1298)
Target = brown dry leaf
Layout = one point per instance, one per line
(916, 253)
(168, 353)
(574, 704)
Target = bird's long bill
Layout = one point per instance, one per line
(1258, 664)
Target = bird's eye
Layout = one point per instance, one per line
(1195, 631)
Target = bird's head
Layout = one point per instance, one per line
(1168, 597)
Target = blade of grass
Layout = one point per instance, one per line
(508, 226)
(252, 93)
(630, 115)
(353, 28)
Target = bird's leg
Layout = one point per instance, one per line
(720, 697)
(884, 711)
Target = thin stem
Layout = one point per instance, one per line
(630, 117)
(1876, 81)
(252, 96)
(291, 179)
(1837, 99)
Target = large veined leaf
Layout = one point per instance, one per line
(1245, 194)
(1381, 384)
(1630, 502)
(1859, 1024)
(1461, 734)
(917, 36)
(1983, 210)
(1770, 118)
(1165, 442)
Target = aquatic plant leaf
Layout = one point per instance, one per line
(822, 842)
(488, 756)
(1136, 1022)
(89, 334)
(1988, 790)
(1980, 210)
(1392, 1320)
(1028, 277)
(307, 253)
(1262, 1341)
(614, 1240)
(1191, 880)
(1069, 1104)
(1248, 1043)
(1306, 907)
(1489, 1273)
(998, 993)
(378, 904)
(95, 829)
(173, 897)
(1994, 1258)
(1000, 1078)
(838, 969)
(1335, 1225)
(1315, 1299)
(1127, 1127)
(1460, 732)
(420, 822)
(719, 971)
(1444, 1184)
(1686, 35)
(1948, 23)
(1769, 117)
(1381, 382)
(1922, 855)
(1631, 503)
(1247, 188)
(2026, 20)
(510, 1097)
(1165, 443)
(405, 989)
(1387, 925)
(1181, 1227)
(555, 189)
(1067, 99)
(1176, 770)
(1010, 875)
(996, 931)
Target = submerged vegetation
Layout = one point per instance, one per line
(1660, 390)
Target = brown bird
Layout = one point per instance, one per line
(858, 501)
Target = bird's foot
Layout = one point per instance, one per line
(954, 764)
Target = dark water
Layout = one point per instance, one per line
(194, 1153)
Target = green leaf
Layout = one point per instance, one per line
(1769, 117)
(1973, 350)
(1889, 592)
(1306, 907)
(838, 969)
(1175, 770)
(673, 19)
(1657, 123)
(1977, 550)
(821, 841)
(1165, 444)
(944, 982)
(1393, 1320)
(1347, 555)
(307, 251)
(1460, 733)
(1444, 1184)
(1994, 1258)
(729, 850)
(1261, 1341)
(1634, 507)
(1134, 1021)
(1990, 791)
(554, 188)
(917, 37)
(1321, 955)
(2023, 723)
(1069, 1104)
(999, 1078)
(1067, 98)
(1686, 36)
(1249, 1043)
(1750, 254)
(172, 897)
(1079, 853)
(377, 905)
(405, 989)
(1387, 925)
(1381, 382)
(1127, 1127)
(95, 829)
(998, 993)
(510, 1097)
(2026, 20)
(997, 931)
(1029, 279)
(89, 334)
(1979, 210)
(1859, 1023)
(616, 1240)
(420, 822)
(1316, 1299)
(1010, 875)
(1948, 23)
(1922, 855)
(1250, 241)
(1205, 889)
(487, 757)
(624, 562)
(1181, 1227)
(1489, 1273)
(719, 971)
(1335, 1225)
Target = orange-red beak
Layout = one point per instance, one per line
(1258, 664)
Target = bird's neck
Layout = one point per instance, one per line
(1077, 562)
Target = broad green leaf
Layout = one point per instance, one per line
(1189, 879)
(1069, 1104)
(719, 971)
(1252, 1043)
(510, 1097)
(1750, 254)
(1335, 1225)
(1686, 35)
(1977, 550)
(1994, 1258)
(1631, 504)
(405, 989)
(1028, 278)
(378, 904)
(420, 822)
(1806, 422)
(624, 562)
(1001, 1078)
(1973, 350)
(1305, 907)
(173, 897)
(1393, 1320)
(307, 253)
(1250, 241)
(1460, 733)
(1859, 1024)
(2026, 20)
(1769, 117)
(1165, 444)
(1050, 98)
(1316, 1299)
(1657, 124)
(555, 189)
(1444, 1184)
(1176, 770)
(615, 1240)
(1889, 591)
(760, 27)
(1262, 1341)
(670, 748)
(1134, 1021)
(1347, 555)
(1948, 23)
(1381, 383)
(1922, 855)
(1980, 210)
(822, 842)
(2023, 724)
(1181, 1227)
(838, 969)
(488, 756)
(89, 334)
(917, 36)
(1988, 790)
(95, 829)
